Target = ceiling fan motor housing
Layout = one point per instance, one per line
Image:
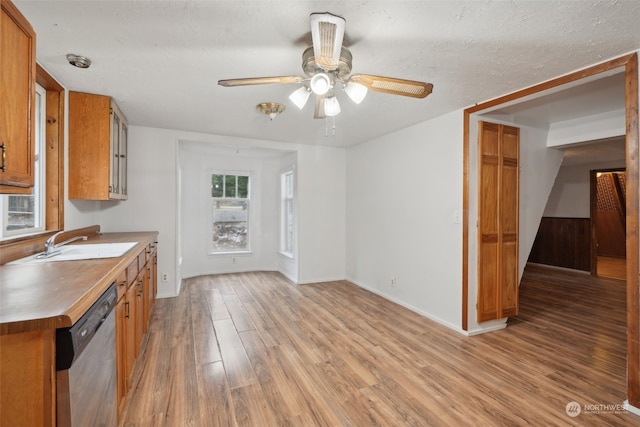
(310, 67)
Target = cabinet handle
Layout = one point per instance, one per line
(4, 157)
(126, 309)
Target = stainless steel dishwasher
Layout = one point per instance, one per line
(86, 367)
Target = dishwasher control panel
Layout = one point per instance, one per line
(71, 341)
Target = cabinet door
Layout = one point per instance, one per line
(146, 283)
(17, 92)
(139, 314)
(27, 391)
(153, 279)
(130, 310)
(121, 349)
(114, 184)
(123, 160)
(89, 146)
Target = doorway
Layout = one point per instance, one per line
(608, 223)
(629, 66)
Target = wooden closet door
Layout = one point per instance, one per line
(498, 148)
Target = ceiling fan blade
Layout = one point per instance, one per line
(393, 86)
(327, 33)
(249, 81)
(318, 113)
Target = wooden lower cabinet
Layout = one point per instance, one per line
(27, 388)
(132, 319)
(28, 380)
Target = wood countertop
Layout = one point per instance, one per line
(56, 294)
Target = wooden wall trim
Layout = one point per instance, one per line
(465, 223)
(550, 84)
(633, 252)
(54, 135)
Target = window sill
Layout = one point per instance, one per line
(25, 237)
(231, 253)
(287, 255)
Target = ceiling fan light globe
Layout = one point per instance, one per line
(300, 97)
(331, 107)
(356, 91)
(320, 84)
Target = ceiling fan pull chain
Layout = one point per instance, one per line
(326, 127)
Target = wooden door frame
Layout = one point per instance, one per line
(630, 65)
(593, 198)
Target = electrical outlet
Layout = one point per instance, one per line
(165, 277)
(457, 217)
(393, 282)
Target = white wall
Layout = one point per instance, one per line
(151, 205)
(571, 193)
(590, 128)
(404, 195)
(197, 163)
(539, 166)
(321, 209)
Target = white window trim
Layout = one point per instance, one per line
(284, 253)
(212, 200)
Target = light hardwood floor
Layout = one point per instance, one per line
(253, 350)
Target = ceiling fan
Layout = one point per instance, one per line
(327, 65)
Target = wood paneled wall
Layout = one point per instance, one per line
(563, 242)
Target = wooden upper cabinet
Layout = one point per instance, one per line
(97, 148)
(17, 101)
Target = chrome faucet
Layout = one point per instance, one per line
(50, 247)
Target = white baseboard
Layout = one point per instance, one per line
(289, 278)
(630, 408)
(410, 307)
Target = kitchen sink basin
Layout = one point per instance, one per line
(80, 252)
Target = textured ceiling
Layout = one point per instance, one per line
(161, 60)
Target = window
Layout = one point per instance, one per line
(25, 214)
(230, 197)
(286, 214)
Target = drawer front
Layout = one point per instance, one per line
(121, 282)
(142, 260)
(132, 271)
